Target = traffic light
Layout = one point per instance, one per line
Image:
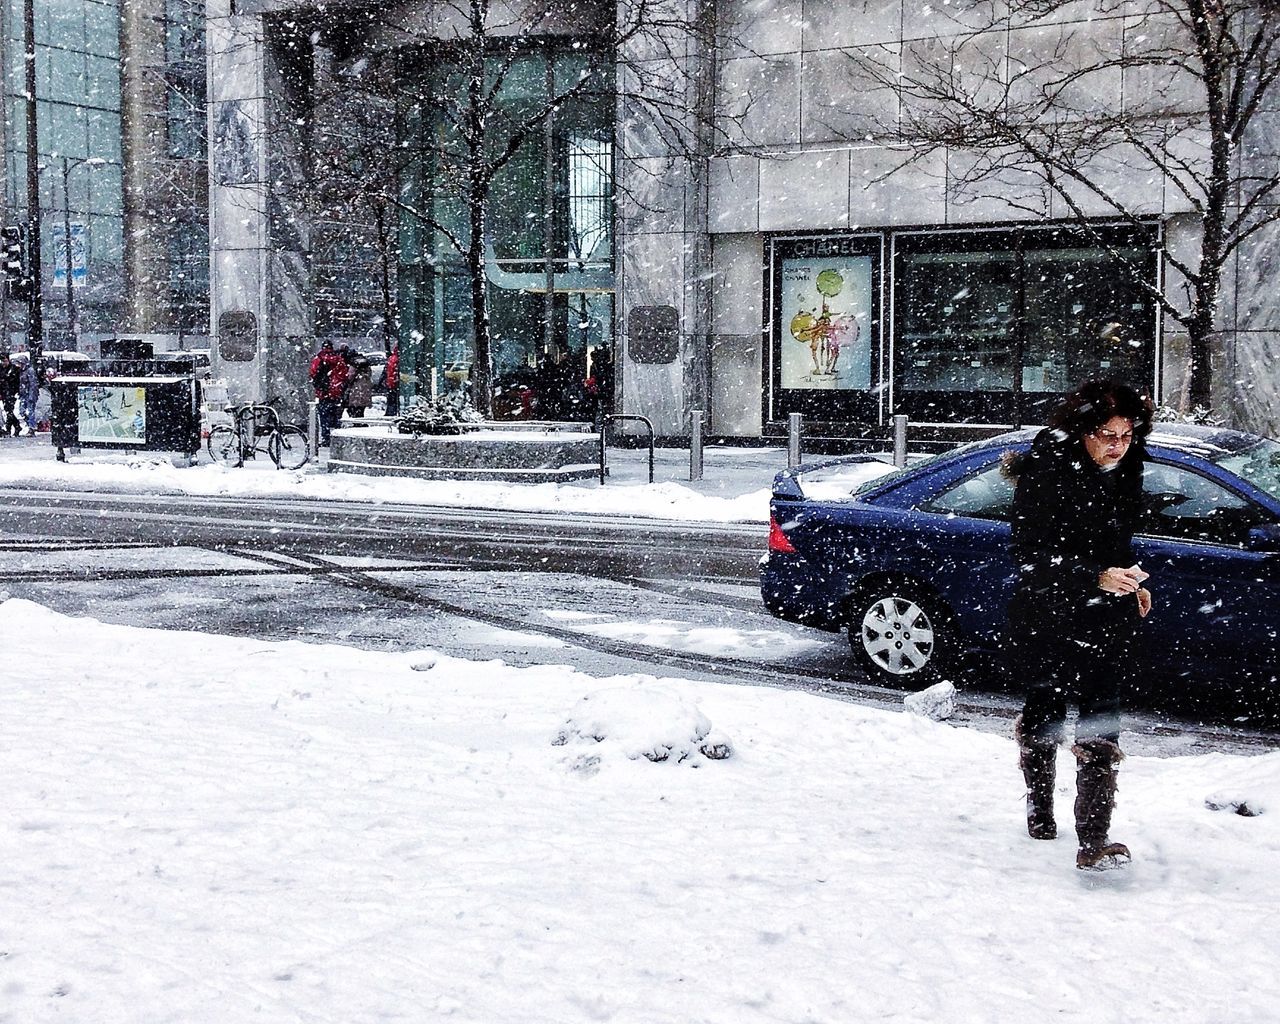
(14, 259)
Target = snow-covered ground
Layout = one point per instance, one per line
(200, 828)
(736, 486)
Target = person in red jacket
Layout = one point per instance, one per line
(328, 374)
(391, 378)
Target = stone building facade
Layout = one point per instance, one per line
(780, 256)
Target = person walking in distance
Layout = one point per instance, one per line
(10, 384)
(328, 374)
(391, 379)
(1078, 602)
(29, 393)
(359, 394)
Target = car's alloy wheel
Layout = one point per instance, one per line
(899, 633)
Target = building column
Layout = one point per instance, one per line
(663, 246)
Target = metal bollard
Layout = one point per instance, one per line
(900, 440)
(313, 428)
(695, 445)
(793, 439)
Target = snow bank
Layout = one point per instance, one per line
(125, 475)
(200, 828)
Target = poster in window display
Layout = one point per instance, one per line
(112, 413)
(826, 323)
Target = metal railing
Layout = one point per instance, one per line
(604, 434)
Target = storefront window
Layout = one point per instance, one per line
(549, 244)
(995, 326)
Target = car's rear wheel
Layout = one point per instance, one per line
(901, 634)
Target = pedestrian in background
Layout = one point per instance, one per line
(10, 384)
(359, 394)
(29, 393)
(1078, 602)
(391, 379)
(329, 381)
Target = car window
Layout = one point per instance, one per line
(1259, 464)
(1183, 504)
(987, 494)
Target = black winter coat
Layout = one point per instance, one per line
(10, 380)
(1069, 525)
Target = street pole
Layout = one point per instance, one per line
(72, 326)
(35, 318)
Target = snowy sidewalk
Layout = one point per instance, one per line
(735, 486)
(200, 828)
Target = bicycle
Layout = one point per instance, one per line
(257, 428)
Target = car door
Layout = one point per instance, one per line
(965, 528)
(1217, 604)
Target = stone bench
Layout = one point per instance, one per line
(507, 452)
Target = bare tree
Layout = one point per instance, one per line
(1196, 75)
(635, 52)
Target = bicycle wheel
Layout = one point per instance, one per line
(288, 447)
(224, 446)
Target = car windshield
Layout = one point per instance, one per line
(1259, 464)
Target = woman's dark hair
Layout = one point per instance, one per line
(1096, 401)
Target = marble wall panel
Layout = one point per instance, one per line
(289, 293)
(1172, 375)
(999, 194)
(735, 385)
(652, 195)
(1052, 62)
(641, 130)
(734, 193)
(840, 98)
(235, 143)
(1153, 86)
(1257, 269)
(1190, 146)
(891, 188)
(762, 26)
(980, 67)
(758, 100)
(737, 294)
(653, 270)
(805, 192)
(239, 281)
(238, 217)
(234, 48)
(1255, 387)
(1124, 176)
(656, 391)
(830, 23)
(950, 20)
(1084, 11)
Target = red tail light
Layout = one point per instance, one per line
(778, 540)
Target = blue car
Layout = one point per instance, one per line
(915, 563)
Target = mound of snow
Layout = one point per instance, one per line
(937, 702)
(640, 721)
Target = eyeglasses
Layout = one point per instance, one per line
(1111, 437)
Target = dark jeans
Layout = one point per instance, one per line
(11, 422)
(1057, 670)
(329, 411)
(393, 402)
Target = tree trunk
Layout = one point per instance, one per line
(482, 365)
(384, 260)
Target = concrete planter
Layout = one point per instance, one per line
(486, 453)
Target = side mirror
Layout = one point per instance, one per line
(1265, 538)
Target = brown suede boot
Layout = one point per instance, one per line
(1038, 760)
(1097, 762)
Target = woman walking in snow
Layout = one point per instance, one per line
(29, 395)
(1078, 602)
